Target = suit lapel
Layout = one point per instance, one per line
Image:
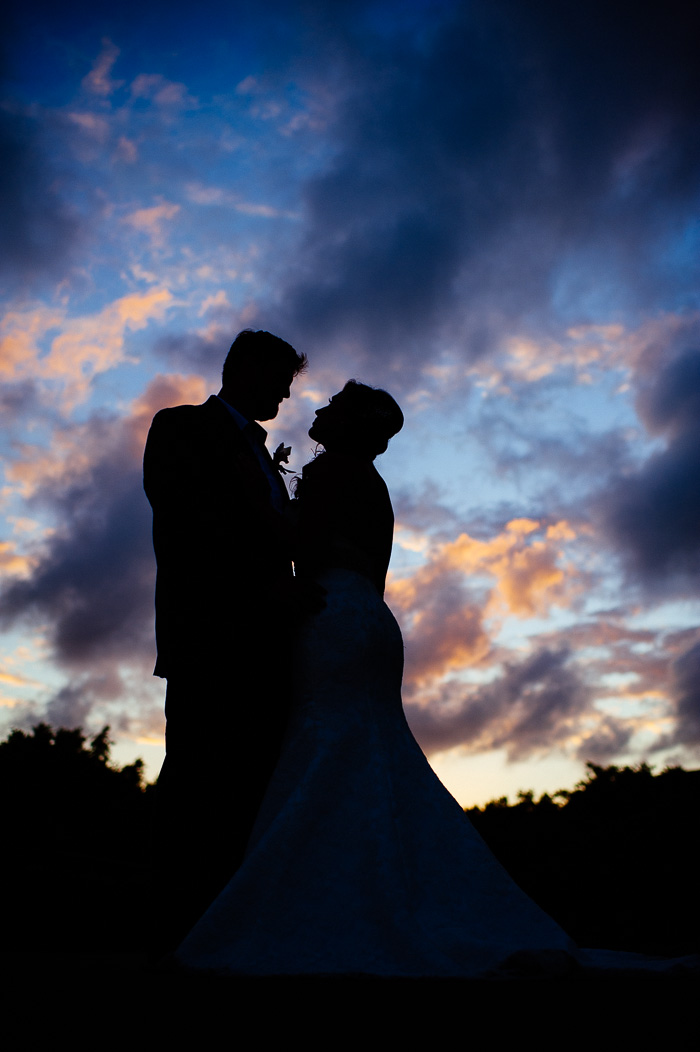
(237, 451)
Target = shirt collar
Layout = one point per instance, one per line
(251, 425)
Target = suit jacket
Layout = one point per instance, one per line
(222, 551)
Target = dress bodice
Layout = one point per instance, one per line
(344, 519)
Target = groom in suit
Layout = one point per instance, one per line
(224, 586)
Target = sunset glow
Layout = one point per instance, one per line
(490, 209)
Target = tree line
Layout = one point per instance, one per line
(612, 860)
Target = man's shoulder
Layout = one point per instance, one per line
(187, 419)
(183, 414)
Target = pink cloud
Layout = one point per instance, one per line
(98, 81)
(162, 92)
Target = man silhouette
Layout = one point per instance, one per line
(224, 587)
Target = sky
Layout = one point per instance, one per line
(490, 209)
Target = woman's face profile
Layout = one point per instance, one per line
(333, 425)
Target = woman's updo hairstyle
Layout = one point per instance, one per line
(378, 416)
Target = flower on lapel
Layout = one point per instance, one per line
(282, 454)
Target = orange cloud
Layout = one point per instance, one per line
(20, 333)
(150, 221)
(14, 564)
(15, 681)
(217, 300)
(443, 627)
(163, 391)
(451, 605)
(74, 448)
(528, 574)
(83, 348)
(92, 345)
(67, 457)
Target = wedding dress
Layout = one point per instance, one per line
(361, 862)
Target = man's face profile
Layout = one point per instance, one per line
(270, 384)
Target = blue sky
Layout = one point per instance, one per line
(491, 209)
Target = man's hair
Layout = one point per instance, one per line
(251, 348)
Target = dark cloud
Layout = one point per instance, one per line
(610, 737)
(479, 161)
(425, 509)
(39, 231)
(653, 515)
(449, 629)
(687, 698)
(131, 703)
(559, 445)
(93, 585)
(532, 707)
(16, 399)
(193, 352)
(71, 706)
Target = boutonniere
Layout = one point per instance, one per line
(282, 454)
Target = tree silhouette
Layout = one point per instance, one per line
(76, 838)
(613, 862)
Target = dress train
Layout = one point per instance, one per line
(361, 862)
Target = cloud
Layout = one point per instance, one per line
(71, 706)
(608, 740)
(687, 698)
(593, 689)
(126, 150)
(151, 221)
(443, 624)
(40, 232)
(92, 579)
(215, 196)
(535, 706)
(93, 584)
(87, 584)
(586, 354)
(164, 93)
(12, 562)
(13, 680)
(93, 125)
(653, 514)
(501, 167)
(20, 336)
(203, 350)
(98, 81)
(466, 582)
(93, 344)
(84, 346)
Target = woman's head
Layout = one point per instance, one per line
(359, 420)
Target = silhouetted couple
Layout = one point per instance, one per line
(293, 794)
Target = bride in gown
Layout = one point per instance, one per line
(361, 862)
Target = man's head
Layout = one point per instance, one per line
(258, 373)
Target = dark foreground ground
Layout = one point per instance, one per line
(615, 865)
(91, 1000)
